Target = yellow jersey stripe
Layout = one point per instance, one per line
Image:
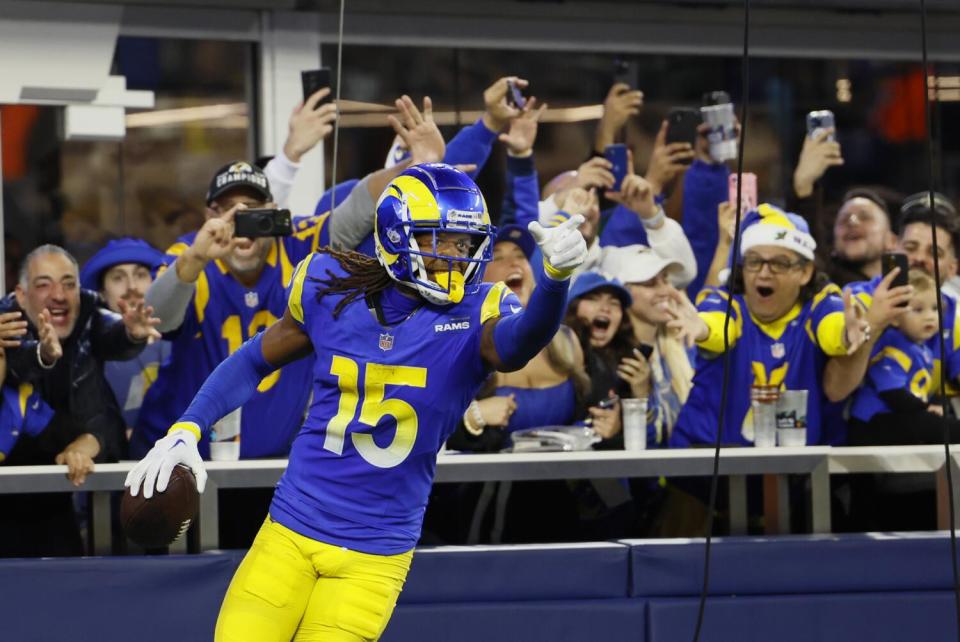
(830, 334)
(202, 296)
(490, 309)
(294, 302)
(25, 390)
(898, 356)
(714, 321)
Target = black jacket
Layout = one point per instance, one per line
(75, 387)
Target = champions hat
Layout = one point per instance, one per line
(238, 174)
(635, 263)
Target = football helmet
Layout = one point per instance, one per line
(433, 199)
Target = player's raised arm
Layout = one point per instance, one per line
(226, 389)
(509, 343)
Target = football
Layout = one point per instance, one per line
(160, 520)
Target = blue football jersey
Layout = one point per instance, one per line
(897, 363)
(22, 412)
(385, 398)
(222, 315)
(790, 353)
(951, 336)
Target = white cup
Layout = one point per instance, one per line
(723, 131)
(225, 450)
(226, 438)
(634, 416)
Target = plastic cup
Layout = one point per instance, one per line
(791, 437)
(792, 418)
(723, 131)
(634, 415)
(225, 444)
(763, 401)
(225, 450)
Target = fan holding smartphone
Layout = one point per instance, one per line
(313, 120)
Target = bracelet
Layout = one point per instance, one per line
(473, 420)
(40, 359)
(656, 220)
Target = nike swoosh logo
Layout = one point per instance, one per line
(177, 443)
(516, 308)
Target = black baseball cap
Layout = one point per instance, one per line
(238, 174)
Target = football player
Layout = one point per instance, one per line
(402, 343)
(216, 291)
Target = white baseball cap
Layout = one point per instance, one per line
(635, 263)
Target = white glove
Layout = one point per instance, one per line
(178, 447)
(563, 247)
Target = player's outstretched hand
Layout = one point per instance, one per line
(563, 247)
(153, 471)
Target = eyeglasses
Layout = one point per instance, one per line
(777, 266)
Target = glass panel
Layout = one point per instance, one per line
(878, 108)
(152, 184)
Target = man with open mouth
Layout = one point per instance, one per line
(789, 327)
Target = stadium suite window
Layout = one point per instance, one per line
(152, 184)
(878, 108)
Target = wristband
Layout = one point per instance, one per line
(473, 419)
(40, 359)
(189, 426)
(656, 220)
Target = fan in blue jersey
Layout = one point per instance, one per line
(785, 325)
(892, 406)
(401, 345)
(221, 290)
(916, 241)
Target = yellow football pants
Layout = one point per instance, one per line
(291, 587)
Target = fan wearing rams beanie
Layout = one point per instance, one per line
(787, 322)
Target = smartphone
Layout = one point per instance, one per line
(514, 97)
(617, 154)
(626, 72)
(891, 260)
(748, 193)
(682, 124)
(645, 350)
(608, 403)
(256, 223)
(819, 120)
(313, 81)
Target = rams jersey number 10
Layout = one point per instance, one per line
(385, 399)
(222, 315)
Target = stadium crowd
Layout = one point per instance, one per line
(99, 360)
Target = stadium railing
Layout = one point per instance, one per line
(818, 463)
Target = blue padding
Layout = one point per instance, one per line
(114, 599)
(873, 617)
(560, 621)
(793, 564)
(501, 573)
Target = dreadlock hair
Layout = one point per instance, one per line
(365, 278)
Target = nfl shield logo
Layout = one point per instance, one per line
(386, 341)
(778, 350)
(252, 299)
